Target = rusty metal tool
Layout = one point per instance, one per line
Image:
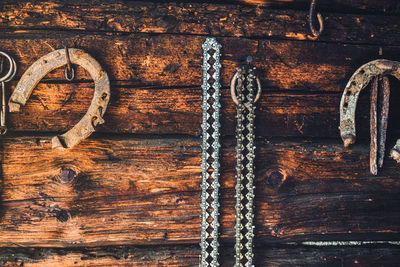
(8, 76)
(384, 94)
(244, 93)
(376, 71)
(97, 108)
(373, 128)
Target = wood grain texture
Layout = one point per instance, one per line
(363, 6)
(145, 191)
(106, 256)
(187, 255)
(171, 60)
(138, 198)
(204, 19)
(55, 107)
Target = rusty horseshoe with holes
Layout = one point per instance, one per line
(99, 103)
(358, 81)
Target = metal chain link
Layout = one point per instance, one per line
(245, 149)
(210, 153)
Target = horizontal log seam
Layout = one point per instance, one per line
(227, 141)
(70, 33)
(267, 90)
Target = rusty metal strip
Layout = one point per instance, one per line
(99, 103)
(358, 81)
(373, 127)
(384, 94)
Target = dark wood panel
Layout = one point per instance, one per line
(187, 255)
(197, 18)
(146, 191)
(106, 256)
(204, 19)
(57, 107)
(363, 6)
(170, 60)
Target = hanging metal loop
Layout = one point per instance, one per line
(69, 70)
(233, 89)
(315, 32)
(1, 64)
(12, 68)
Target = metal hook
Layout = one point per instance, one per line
(69, 70)
(249, 59)
(315, 32)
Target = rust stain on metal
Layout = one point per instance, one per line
(358, 81)
(99, 103)
(373, 128)
(384, 94)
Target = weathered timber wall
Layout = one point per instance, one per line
(134, 199)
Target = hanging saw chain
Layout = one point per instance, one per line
(244, 84)
(210, 153)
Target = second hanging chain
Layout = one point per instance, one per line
(245, 84)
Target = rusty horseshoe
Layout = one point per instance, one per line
(358, 81)
(99, 103)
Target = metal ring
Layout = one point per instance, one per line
(233, 89)
(10, 73)
(3, 130)
(14, 72)
(69, 78)
(1, 64)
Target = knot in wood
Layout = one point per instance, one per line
(275, 178)
(67, 175)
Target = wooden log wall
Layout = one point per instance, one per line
(133, 196)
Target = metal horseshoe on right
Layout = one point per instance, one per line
(377, 71)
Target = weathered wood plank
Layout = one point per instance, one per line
(146, 191)
(198, 18)
(106, 256)
(187, 255)
(169, 60)
(58, 107)
(325, 256)
(382, 6)
(371, 6)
